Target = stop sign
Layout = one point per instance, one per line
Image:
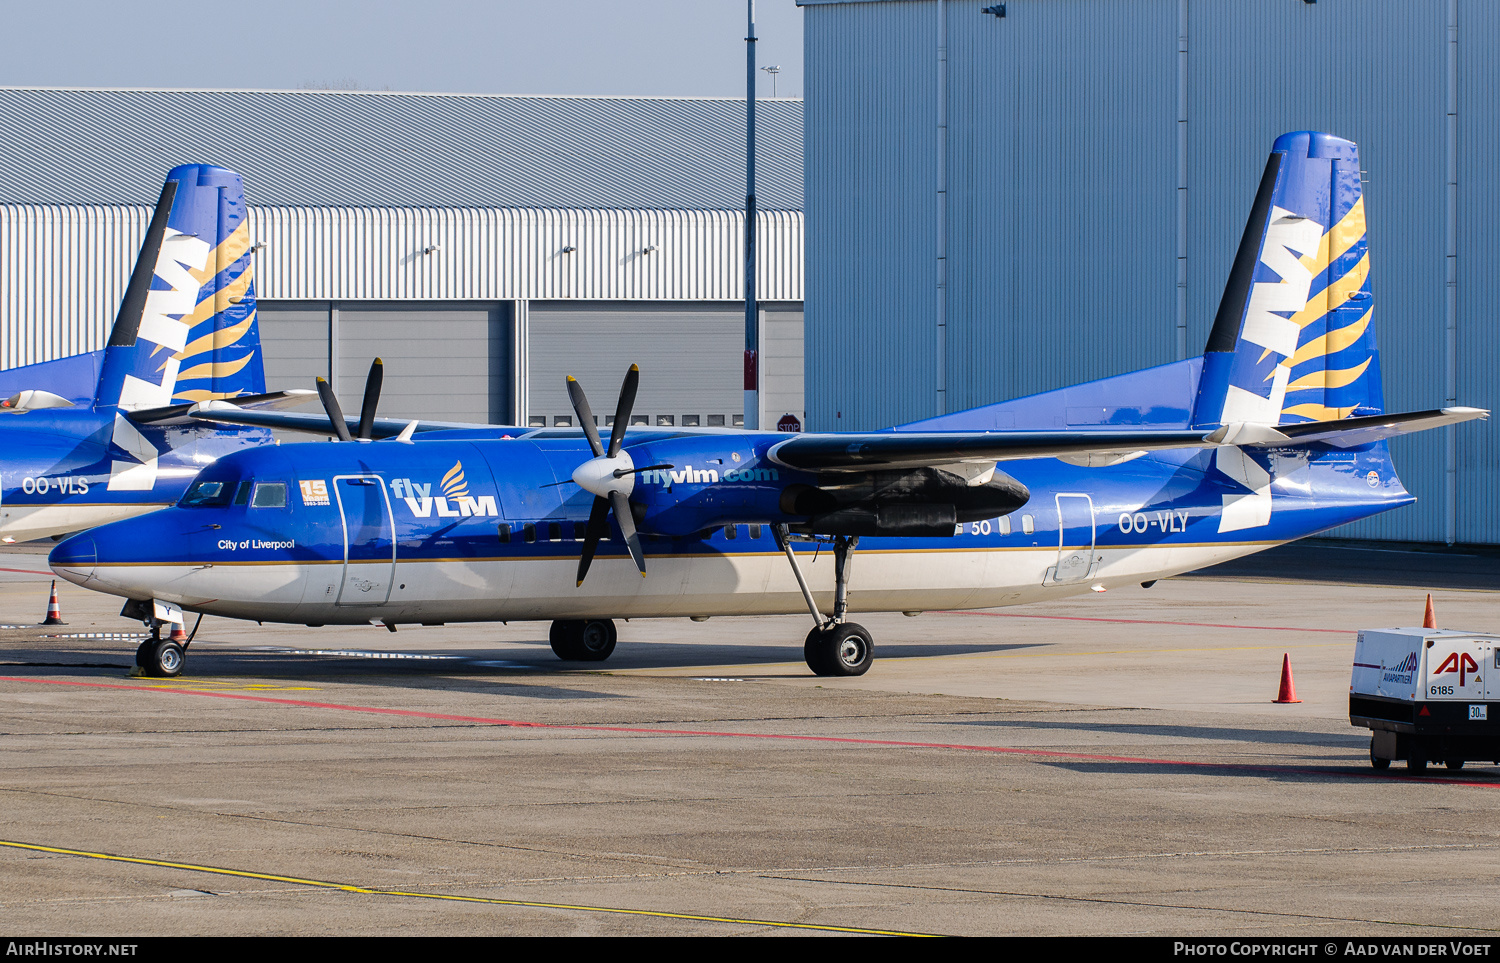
(789, 422)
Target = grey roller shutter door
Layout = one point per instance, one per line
(443, 361)
(294, 342)
(691, 358)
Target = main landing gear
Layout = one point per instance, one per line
(582, 640)
(834, 647)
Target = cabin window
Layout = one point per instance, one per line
(580, 531)
(554, 531)
(754, 531)
(729, 531)
(1028, 524)
(504, 529)
(530, 532)
(1004, 524)
(269, 495)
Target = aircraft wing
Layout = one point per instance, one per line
(319, 423)
(901, 449)
(875, 451)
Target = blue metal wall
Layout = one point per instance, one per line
(1075, 128)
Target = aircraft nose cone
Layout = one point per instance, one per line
(74, 558)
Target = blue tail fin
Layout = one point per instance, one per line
(1292, 341)
(186, 330)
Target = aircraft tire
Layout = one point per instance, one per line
(845, 649)
(562, 635)
(166, 660)
(143, 653)
(580, 640)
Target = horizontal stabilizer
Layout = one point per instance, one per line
(1354, 432)
(180, 414)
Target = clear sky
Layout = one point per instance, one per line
(631, 47)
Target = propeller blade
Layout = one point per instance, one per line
(335, 413)
(372, 398)
(585, 418)
(598, 527)
(622, 411)
(621, 506)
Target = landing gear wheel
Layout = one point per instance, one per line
(165, 660)
(143, 653)
(1375, 760)
(843, 649)
(579, 640)
(595, 640)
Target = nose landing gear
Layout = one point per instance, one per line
(157, 657)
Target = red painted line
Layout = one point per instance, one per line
(708, 733)
(25, 571)
(1082, 618)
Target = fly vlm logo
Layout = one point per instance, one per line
(454, 502)
(1461, 662)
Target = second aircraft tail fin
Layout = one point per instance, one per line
(187, 330)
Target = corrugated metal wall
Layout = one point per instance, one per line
(1062, 173)
(1478, 289)
(64, 269)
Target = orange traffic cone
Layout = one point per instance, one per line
(1429, 619)
(54, 613)
(178, 634)
(1288, 693)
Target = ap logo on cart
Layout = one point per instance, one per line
(1461, 662)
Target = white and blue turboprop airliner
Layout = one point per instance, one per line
(1276, 432)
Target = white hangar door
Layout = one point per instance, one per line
(443, 361)
(691, 356)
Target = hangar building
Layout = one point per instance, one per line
(484, 246)
(1006, 198)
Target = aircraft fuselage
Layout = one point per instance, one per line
(440, 531)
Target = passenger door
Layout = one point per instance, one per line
(369, 540)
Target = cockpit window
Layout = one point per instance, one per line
(242, 496)
(269, 495)
(207, 494)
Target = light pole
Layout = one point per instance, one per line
(752, 325)
(773, 71)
